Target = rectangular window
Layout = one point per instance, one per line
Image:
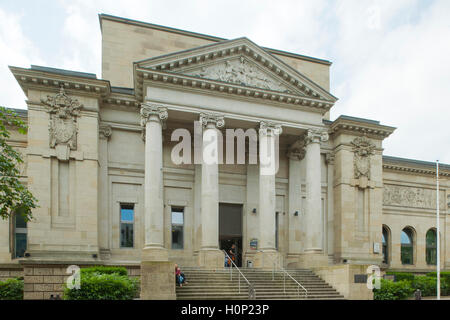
(20, 236)
(177, 228)
(126, 225)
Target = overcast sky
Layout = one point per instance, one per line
(391, 59)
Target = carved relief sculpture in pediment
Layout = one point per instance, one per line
(239, 71)
(63, 126)
(363, 148)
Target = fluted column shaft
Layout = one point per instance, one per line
(314, 220)
(210, 181)
(152, 117)
(268, 167)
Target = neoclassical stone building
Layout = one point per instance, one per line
(99, 159)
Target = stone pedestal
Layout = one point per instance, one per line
(211, 258)
(342, 278)
(312, 260)
(158, 280)
(267, 259)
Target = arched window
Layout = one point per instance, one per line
(385, 239)
(407, 241)
(431, 250)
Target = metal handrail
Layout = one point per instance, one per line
(299, 285)
(251, 288)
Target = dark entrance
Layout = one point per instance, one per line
(230, 229)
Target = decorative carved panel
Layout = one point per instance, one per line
(363, 148)
(63, 127)
(411, 197)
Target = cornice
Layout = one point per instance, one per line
(217, 87)
(371, 129)
(412, 166)
(121, 100)
(49, 81)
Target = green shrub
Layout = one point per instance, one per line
(106, 286)
(11, 289)
(122, 271)
(426, 284)
(399, 276)
(390, 290)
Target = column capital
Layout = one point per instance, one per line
(105, 131)
(216, 120)
(316, 136)
(297, 150)
(149, 109)
(267, 128)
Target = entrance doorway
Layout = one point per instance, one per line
(230, 229)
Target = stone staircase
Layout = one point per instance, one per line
(216, 284)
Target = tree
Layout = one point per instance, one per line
(14, 196)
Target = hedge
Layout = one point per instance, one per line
(399, 276)
(390, 290)
(97, 286)
(103, 283)
(122, 271)
(426, 283)
(11, 289)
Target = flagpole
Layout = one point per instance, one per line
(438, 249)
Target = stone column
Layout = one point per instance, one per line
(210, 256)
(157, 273)
(267, 255)
(314, 246)
(330, 205)
(103, 212)
(295, 154)
(152, 117)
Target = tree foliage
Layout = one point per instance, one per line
(14, 196)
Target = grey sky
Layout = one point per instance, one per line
(391, 59)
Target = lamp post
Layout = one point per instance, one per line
(438, 253)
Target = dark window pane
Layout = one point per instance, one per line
(431, 256)
(177, 237)
(177, 228)
(126, 235)
(431, 238)
(20, 221)
(407, 254)
(20, 244)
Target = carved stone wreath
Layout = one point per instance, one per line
(363, 148)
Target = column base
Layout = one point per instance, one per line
(154, 254)
(313, 259)
(267, 259)
(158, 280)
(211, 259)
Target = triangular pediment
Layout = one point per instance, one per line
(240, 63)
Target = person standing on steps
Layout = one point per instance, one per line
(232, 253)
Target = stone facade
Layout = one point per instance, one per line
(96, 144)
